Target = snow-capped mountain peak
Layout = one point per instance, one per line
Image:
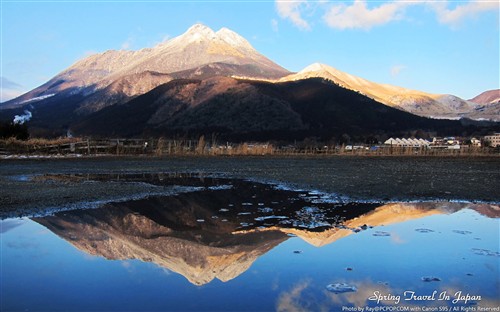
(314, 68)
(198, 51)
(233, 38)
(198, 32)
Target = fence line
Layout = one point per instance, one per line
(165, 147)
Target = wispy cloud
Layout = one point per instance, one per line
(9, 89)
(131, 39)
(365, 14)
(358, 15)
(165, 38)
(7, 95)
(128, 43)
(88, 53)
(9, 84)
(162, 38)
(7, 225)
(274, 25)
(396, 70)
(292, 10)
(455, 16)
(291, 300)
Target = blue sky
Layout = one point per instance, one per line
(433, 46)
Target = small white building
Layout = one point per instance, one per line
(475, 142)
(493, 140)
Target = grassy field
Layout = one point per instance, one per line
(201, 147)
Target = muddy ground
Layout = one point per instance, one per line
(355, 178)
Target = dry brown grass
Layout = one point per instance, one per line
(38, 141)
(166, 147)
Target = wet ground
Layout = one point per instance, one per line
(380, 179)
(208, 242)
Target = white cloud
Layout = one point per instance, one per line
(366, 14)
(359, 16)
(456, 15)
(292, 10)
(88, 53)
(274, 25)
(132, 38)
(9, 89)
(127, 43)
(9, 94)
(7, 83)
(396, 70)
(163, 38)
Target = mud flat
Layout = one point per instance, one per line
(26, 185)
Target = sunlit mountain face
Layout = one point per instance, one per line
(200, 52)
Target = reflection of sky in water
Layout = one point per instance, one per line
(397, 263)
(6, 225)
(41, 270)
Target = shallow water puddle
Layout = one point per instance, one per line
(238, 245)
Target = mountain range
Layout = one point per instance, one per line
(205, 82)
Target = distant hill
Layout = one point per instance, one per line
(487, 97)
(488, 106)
(443, 106)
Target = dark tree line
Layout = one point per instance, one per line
(12, 130)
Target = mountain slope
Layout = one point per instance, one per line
(416, 102)
(487, 97)
(488, 106)
(197, 47)
(252, 110)
(122, 90)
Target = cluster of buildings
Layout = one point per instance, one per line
(493, 140)
(449, 142)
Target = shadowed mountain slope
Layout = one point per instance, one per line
(244, 110)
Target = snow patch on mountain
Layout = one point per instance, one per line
(198, 33)
(38, 98)
(233, 38)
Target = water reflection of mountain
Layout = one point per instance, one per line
(218, 232)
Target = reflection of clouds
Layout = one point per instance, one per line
(166, 271)
(275, 284)
(293, 300)
(396, 239)
(44, 232)
(22, 244)
(305, 296)
(163, 270)
(88, 257)
(490, 267)
(7, 225)
(366, 289)
(128, 266)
